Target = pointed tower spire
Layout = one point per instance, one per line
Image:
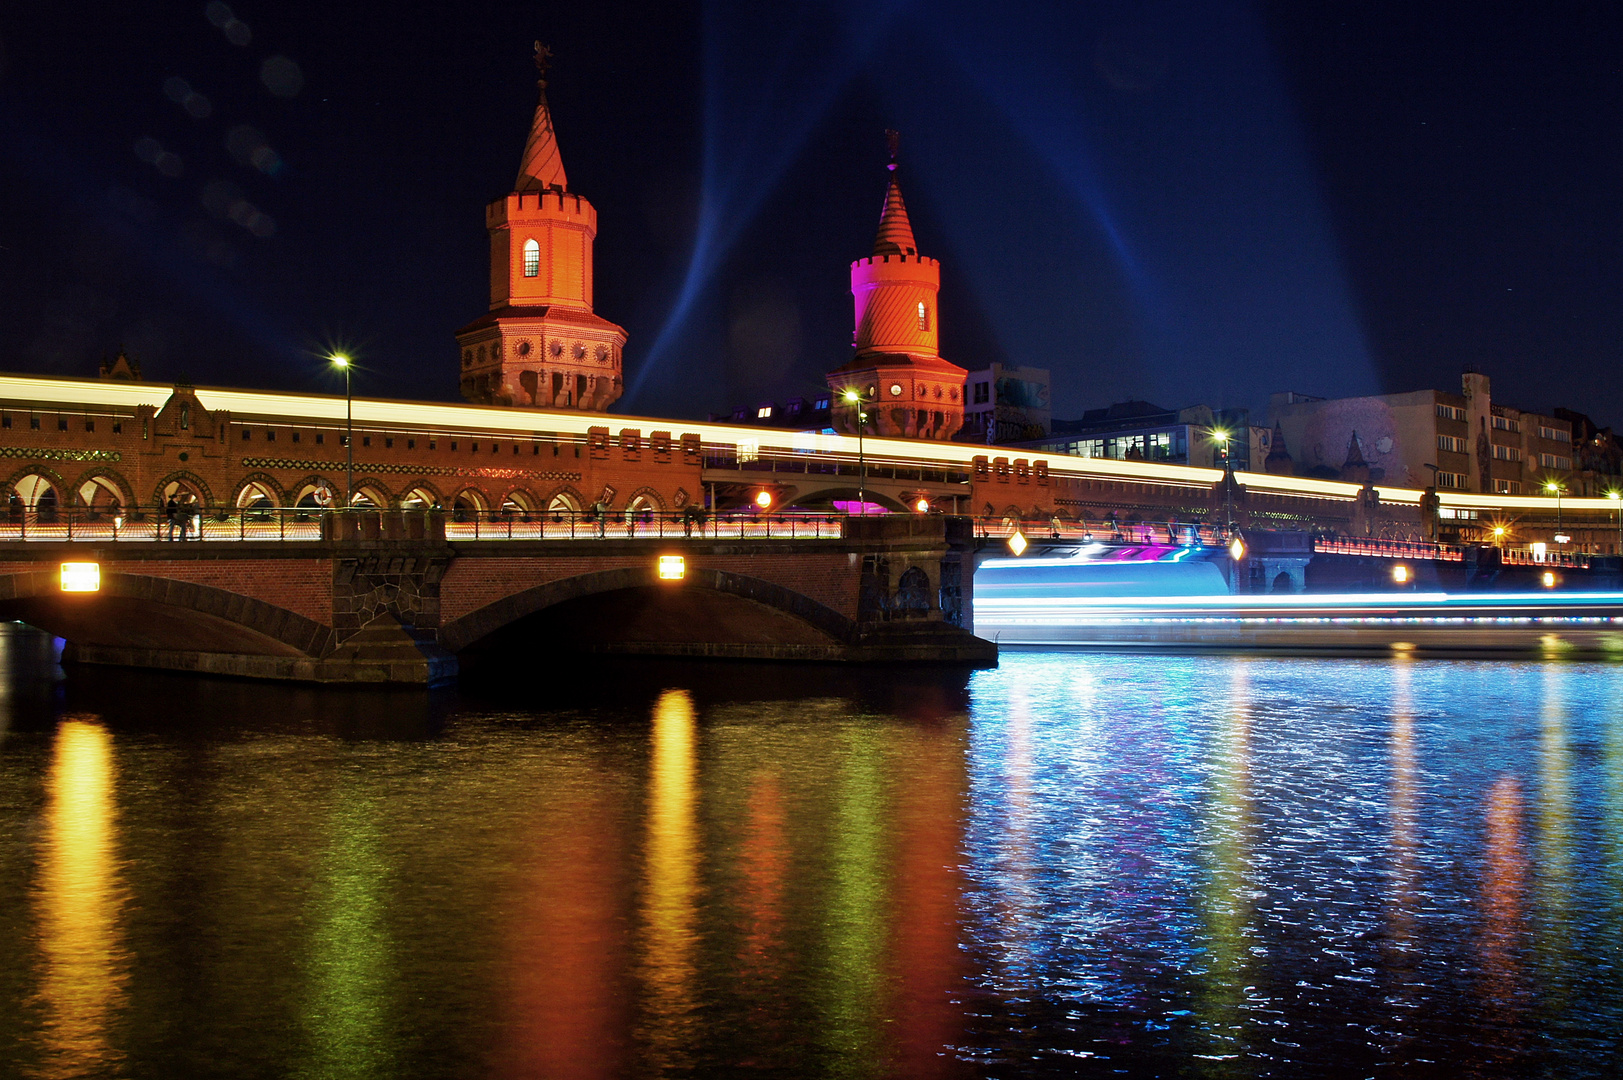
(895, 232)
(542, 168)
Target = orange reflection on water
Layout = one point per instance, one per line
(671, 883)
(567, 992)
(763, 859)
(1402, 811)
(1504, 894)
(927, 966)
(77, 904)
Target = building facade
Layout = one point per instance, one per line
(1007, 405)
(1429, 438)
(1140, 431)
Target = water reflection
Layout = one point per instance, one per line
(1157, 865)
(671, 884)
(84, 965)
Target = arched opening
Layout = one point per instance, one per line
(563, 505)
(36, 495)
(532, 258)
(1282, 583)
(369, 497)
(419, 499)
(912, 599)
(518, 503)
(100, 497)
(316, 495)
(642, 508)
(256, 496)
(467, 504)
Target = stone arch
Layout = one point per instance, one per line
(420, 495)
(108, 483)
(460, 633)
(645, 498)
(182, 479)
(519, 500)
(265, 620)
(51, 476)
(251, 488)
(469, 499)
(565, 499)
(308, 492)
(36, 491)
(373, 491)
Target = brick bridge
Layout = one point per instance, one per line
(387, 598)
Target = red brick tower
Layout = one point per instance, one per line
(541, 345)
(906, 387)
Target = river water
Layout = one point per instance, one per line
(1073, 865)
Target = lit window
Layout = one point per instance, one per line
(763, 412)
(532, 258)
(924, 316)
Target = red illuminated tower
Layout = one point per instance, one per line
(541, 345)
(906, 388)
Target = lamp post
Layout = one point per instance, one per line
(1221, 437)
(340, 361)
(1555, 488)
(855, 397)
(1617, 500)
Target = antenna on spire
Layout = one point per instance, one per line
(893, 141)
(543, 62)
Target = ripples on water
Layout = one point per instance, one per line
(1072, 865)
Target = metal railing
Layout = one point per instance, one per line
(311, 524)
(1388, 549)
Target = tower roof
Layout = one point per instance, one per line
(542, 168)
(895, 231)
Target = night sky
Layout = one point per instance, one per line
(1179, 202)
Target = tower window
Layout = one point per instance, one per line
(532, 258)
(924, 316)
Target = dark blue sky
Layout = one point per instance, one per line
(1182, 202)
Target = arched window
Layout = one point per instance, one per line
(532, 258)
(924, 316)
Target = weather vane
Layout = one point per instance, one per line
(543, 61)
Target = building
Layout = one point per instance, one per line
(541, 345)
(904, 386)
(1007, 405)
(1140, 431)
(802, 414)
(1427, 438)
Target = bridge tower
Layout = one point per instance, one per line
(541, 345)
(907, 389)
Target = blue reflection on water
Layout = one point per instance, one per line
(1254, 866)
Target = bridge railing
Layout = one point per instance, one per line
(1388, 549)
(313, 523)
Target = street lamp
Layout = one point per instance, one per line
(1555, 488)
(1221, 437)
(1617, 498)
(855, 397)
(340, 361)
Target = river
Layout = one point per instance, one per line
(1076, 864)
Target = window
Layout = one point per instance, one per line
(532, 258)
(1453, 514)
(1554, 461)
(1450, 443)
(366, 440)
(33, 423)
(983, 393)
(246, 434)
(411, 444)
(61, 423)
(321, 438)
(924, 316)
(822, 404)
(1507, 487)
(764, 412)
(5, 421)
(1555, 434)
(1450, 412)
(1450, 480)
(295, 436)
(118, 426)
(1507, 453)
(90, 425)
(1505, 423)
(270, 436)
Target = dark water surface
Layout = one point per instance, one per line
(1089, 865)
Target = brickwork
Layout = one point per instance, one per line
(302, 586)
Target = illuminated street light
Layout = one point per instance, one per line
(1236, 549)
(1617, 497)
(1017, 543)
(1221, 437)
(1555, 489)
(922, 506)
(855, 397)
(1400, 574)
(763, 499)
(341, 362)
(1549, 579)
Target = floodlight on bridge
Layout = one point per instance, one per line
(1017, 543)
(763, 499)
(1400, 574)
(672, 567)
(1549, 579)
(81, 577)
(1236, 549)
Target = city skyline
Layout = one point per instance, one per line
(230, 192)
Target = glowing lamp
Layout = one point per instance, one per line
(922, 506)
(672, 567)
(1539, 548)
(1400, 574)
(763, 499)
(1562, 538)
(1614, 495)
(1549, 579)
(339, 360)
(81, 577)
(1236, 549)
(1498, 530)
(1017, 543)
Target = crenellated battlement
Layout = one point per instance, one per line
(540, 205)
(915, 260)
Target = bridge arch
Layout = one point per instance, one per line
(484, 622)
(254, 488)
(182, 480)
(99, 488)
(139, 611)
(420, 495)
